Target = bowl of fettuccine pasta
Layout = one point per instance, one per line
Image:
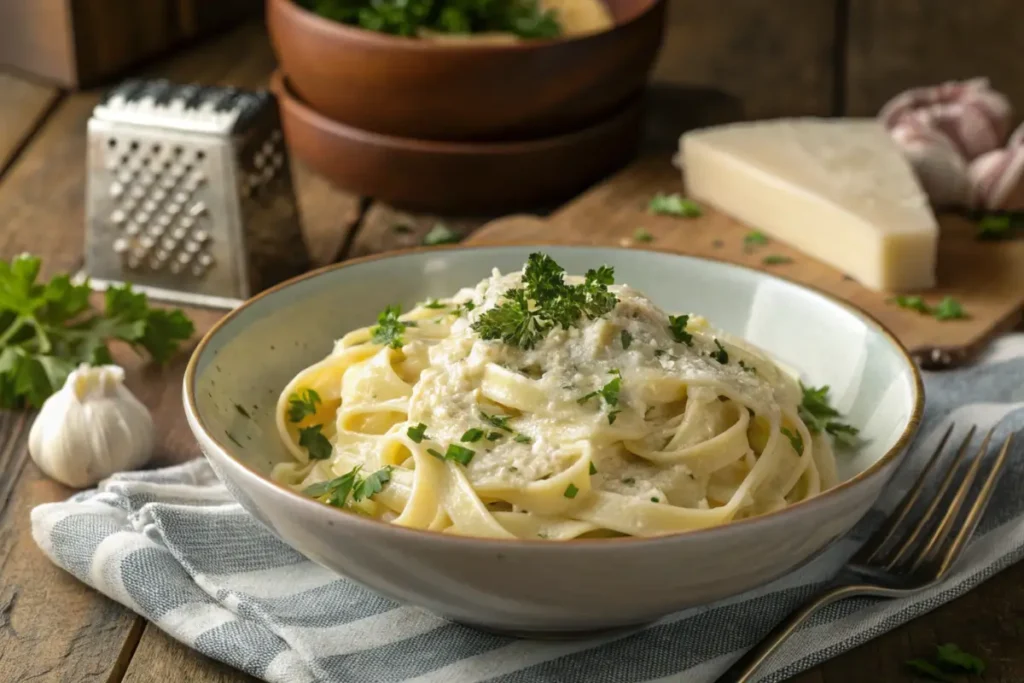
(552, 439)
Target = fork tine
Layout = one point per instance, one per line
(951, 545)
(908, 542)
(953, 509)
(878, 540)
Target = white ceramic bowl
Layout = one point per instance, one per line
(539, 586)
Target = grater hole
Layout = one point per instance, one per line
(134, 146)
(112, 143)
(156, 149)
(200, 155)
(178, 150)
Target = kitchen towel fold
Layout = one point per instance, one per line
(172, 545)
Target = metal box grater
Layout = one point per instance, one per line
(189, 194)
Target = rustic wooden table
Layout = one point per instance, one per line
(52, 628)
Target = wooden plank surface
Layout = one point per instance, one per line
(23, 106)
(984, 276)
(56, 629)
(897, 44)
(161, 659)
(776, 58)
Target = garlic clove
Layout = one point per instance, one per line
(937, 164)
(91, 428)
(997, 180)
(1017, 138)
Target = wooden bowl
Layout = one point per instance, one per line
(463, 90)
(458, 177)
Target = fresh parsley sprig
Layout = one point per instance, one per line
(47, 329)
(336, 491)
(545, 302)
(389, 329)
(302, 404)
(609, 394)
(817, 413)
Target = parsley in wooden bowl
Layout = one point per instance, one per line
(453, 70)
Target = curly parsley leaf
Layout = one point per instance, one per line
(302, 404)
(545, 301)
(674, 205)
(389, 329)
(49, 328)
(315, 442)
(677, 326)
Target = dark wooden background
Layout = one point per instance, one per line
(769, 57)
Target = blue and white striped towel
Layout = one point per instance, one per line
(172, 545)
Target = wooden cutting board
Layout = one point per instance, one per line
(987, 277)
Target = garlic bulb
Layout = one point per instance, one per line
(91, 428)
(975, 117)
(997, 180)
(938, 166)
(1017, 137)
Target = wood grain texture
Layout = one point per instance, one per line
(385, 228)
(52, 627)
(775, 57)
(161, 659)
(897, 44)
(25, 105)
(984, 276)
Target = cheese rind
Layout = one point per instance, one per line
(838, 189)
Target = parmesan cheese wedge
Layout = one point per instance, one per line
(838, 189)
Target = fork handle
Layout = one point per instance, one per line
(743, 670)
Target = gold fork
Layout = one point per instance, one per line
(911, 551)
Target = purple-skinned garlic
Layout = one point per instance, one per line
(997, 179)
(939, 167)
(970, 113)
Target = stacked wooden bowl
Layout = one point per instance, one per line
(463, 126)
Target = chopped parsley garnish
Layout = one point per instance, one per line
(441, 234)
(999, 226)
(795, 439)
(674, 205)
(947, 309)
(755, 239)
(302, 404)
(677, 326)
(372, 485)
(389, 329)
(459, 454)
(629, 481)
(417, 433)
(626, 339)
(434, 303)
(949, 659)
(608, 393)
(775, 260)
(337, 490)
(817, 414)
(658, 353)
(593, 470)
(499, 421)
(494, 436)
(472, 435)
(315, 442)
(655, 499)
(571, 491)
(748, 368)
(464, 307)
(436, 453)
(612, 414)
(641, 235)
(522, 438)
(950, 656)
(545, 302)
(720, 355)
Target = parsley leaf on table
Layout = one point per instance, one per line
(441, 234)
(947, 309)
(48, 328)
(928, 670)
(641, 235)
(950, 656)
(755, 239)
(674, 205)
